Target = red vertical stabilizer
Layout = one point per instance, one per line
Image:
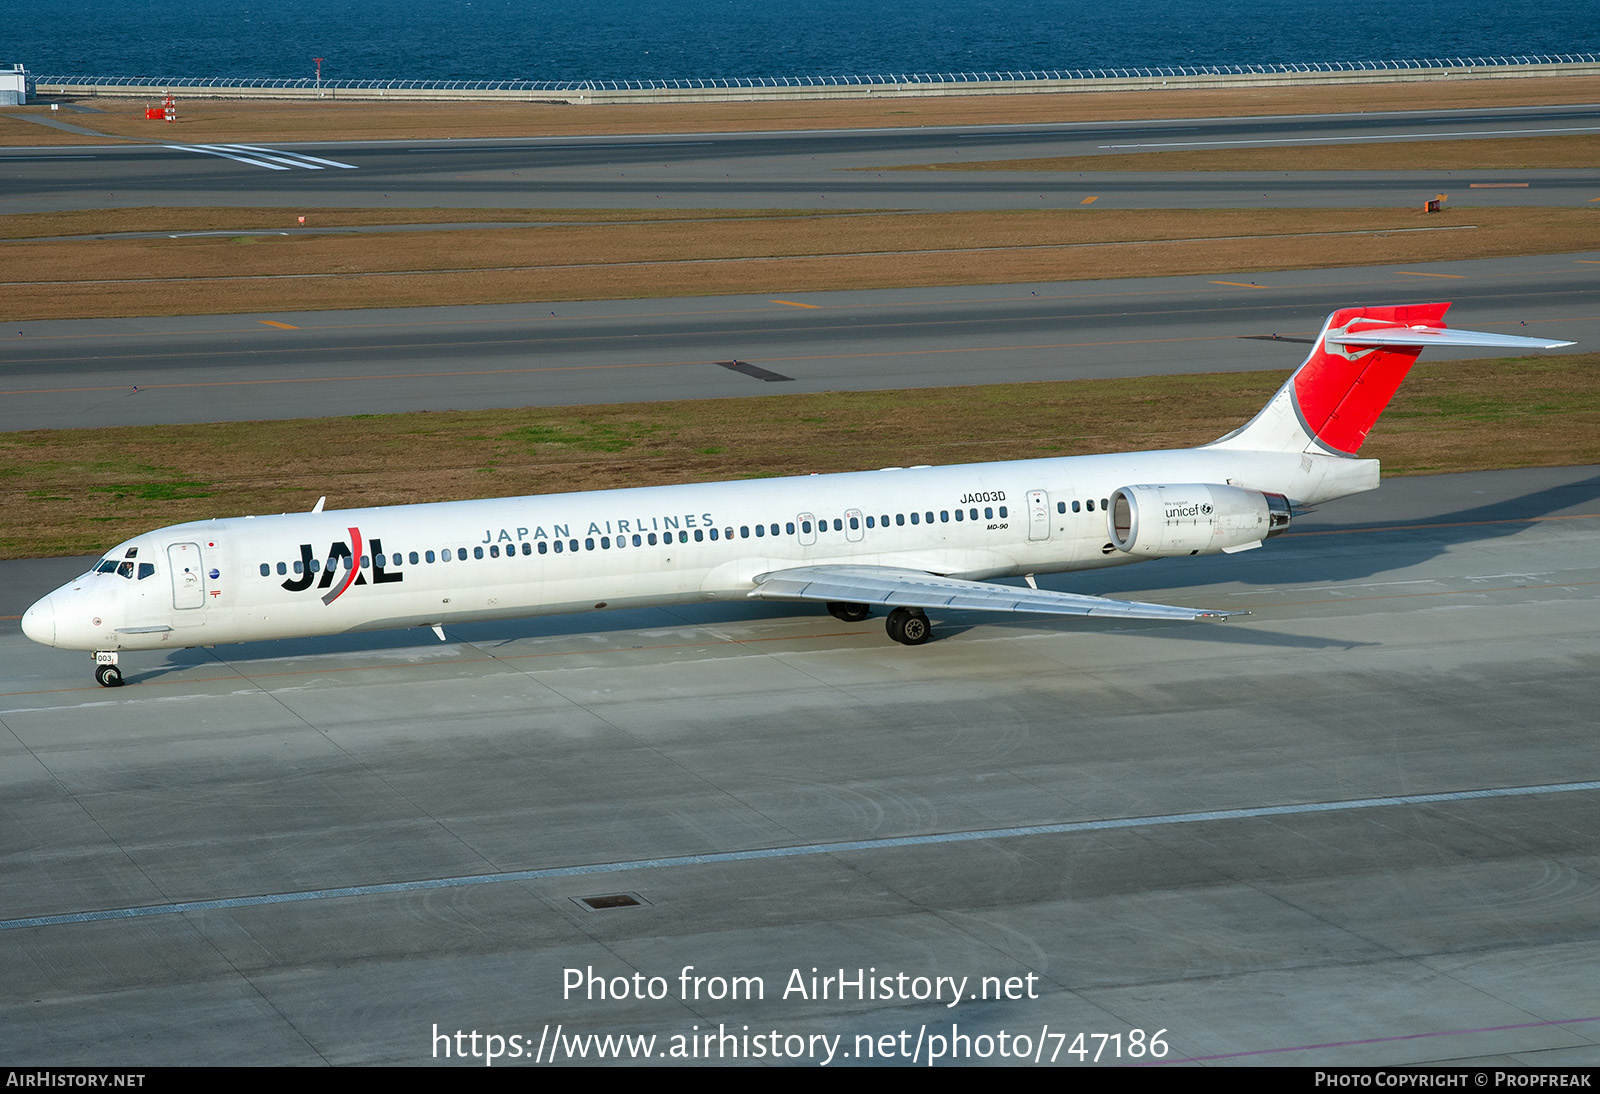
(1346, 382)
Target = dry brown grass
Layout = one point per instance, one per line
(78, 491)
(248, 273)
(263, 120)
(1504, 154)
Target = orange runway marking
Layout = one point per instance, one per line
(1090, 200)
(281, 326)
(1409, 273)
(796, 304)
(1497, 186)
(1240, 284)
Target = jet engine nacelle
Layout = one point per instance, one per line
(1193, 519)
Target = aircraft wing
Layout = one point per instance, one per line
(897, 588)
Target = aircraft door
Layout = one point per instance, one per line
(806, 527)
(1038, 516)
(188, 576)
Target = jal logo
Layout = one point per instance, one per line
(351, 554)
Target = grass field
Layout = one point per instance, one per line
(80, 491)
(717, 252)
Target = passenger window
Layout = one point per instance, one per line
(1076, 507)
(588, 543)
(699, 536)
(760, 531)
(744, 532)
(1091, 505)
(637, 540)
(652, 539)
(789, 528)
(558, 546)
(916, 518)
(988, 512)
(544, 548)
(527, 549)
(944, 516)
(266, 570)
(900, 519)
(713, 533)
(959, 515)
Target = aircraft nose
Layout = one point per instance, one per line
(39, 622)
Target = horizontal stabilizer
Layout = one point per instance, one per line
(1448, 337)
(889, 586)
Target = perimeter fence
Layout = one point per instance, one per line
(824, 86)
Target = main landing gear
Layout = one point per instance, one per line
(909, 626)
(849, 613)
(106, 672)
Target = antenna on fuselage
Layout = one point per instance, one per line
(317, 508)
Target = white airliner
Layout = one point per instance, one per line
(905, 539)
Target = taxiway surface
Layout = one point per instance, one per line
(1358, 826)
(309, 364)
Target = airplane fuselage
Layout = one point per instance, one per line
(300, 574)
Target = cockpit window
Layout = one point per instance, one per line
(107, 566)
(125, 570)
(146, 569)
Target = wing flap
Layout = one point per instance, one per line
(889, 586)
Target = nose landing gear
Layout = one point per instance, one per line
(106, 672)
